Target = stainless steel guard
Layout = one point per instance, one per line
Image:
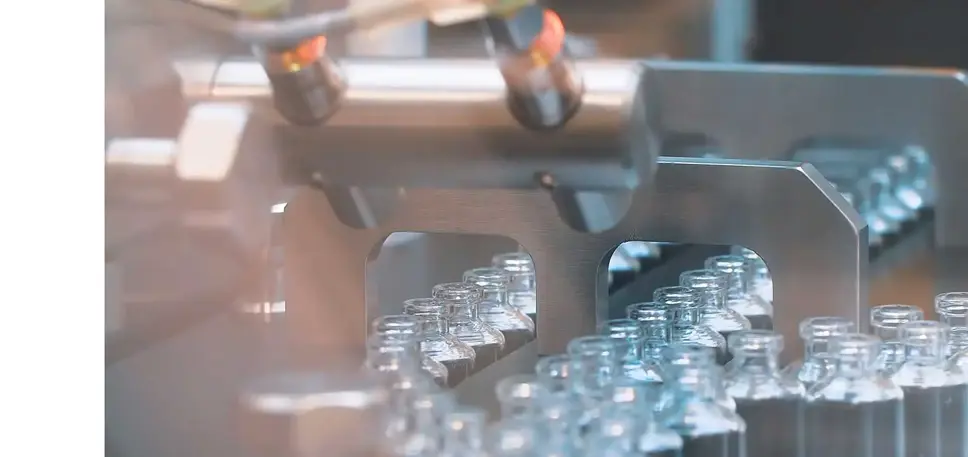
(763, 111)
(814, 241)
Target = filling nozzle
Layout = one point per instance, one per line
(544, 87)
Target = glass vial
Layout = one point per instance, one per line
(767, 401)
(654, 320)
(935, 397)
(437, 342)
(885, 321)
(952, 309)
(651, 438)
(711, 286)
(818, 358)
(521, 290)
(394, 348)
(417, 428)
(463, 434)
(762, 283)
(856, 410)
(595, 366)
(519, 397)
(628, 337)
(494, 309)
(739, 297)
(560, 418)
(461, 301)
(685, 311)
(707, 428)
(680, 355)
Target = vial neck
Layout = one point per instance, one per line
(737, 284)
(629, 348)
(713, 299)
(463, 313)
(855, 367)
(953, 319)
(761, 363)
(434, 327)
(816, 348)
(885, 333)
(496, 295)
(924, 355)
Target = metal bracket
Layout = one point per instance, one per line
(763, 111)
(814, 241)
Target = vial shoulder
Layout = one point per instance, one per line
(854, 390)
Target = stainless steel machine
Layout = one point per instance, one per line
(568, 158)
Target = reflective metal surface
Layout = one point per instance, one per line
(446, 123)
(819, 257)
(765, 111)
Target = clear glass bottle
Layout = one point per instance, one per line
(628, 337)
(554, 372)
(436, 340)
(416, 430)
(464, 433)
(706, 427)
(739, 297)
(762, 283)
(519, 397)
(711, 286)
(885, 321)
(685, 312)
(650, 437)
(395, 343)
(521, 290)
(768, 402)
(494, 310)
(654, 320)
(682, 355)
(561, 430)
(855, 410)
(935, 394)
(818, 358)
(461, 301)
(595, 366)
(952, 309)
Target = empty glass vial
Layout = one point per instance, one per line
(595, 366)
(437, 342)
(739, 296)
(394, 347)
(628, 337)
(513, 439)
(952, 309)
(651, 438)
(698, 356)
(416, 430)
(461, 301)
(612, 436)
(885, 321)
(554, 371)
(818, 358)
(935, 395)
(517, 327)
(463, 434)
(654, 320)
(711, 286)
(521, 290)
(685, 312)
(856, 410)
(706, 427)
(560, 429)
(762, 283)
(519, 396)
(768, 402)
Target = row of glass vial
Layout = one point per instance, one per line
(889, 191)
(465, 326)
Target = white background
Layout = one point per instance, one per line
(52, 198)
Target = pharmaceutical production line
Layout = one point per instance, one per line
(292, 171)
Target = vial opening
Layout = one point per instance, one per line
(457, 292)
(952, 303)
(621, 329)
(856, 346)
(514, 262)
(488, 279)
(395, 324)
(892, 316)
(825, 327)
(679, 296)
(755, 342)
(423, 307)
(705, 280)
(647, 312)
(728, 264)
(594, 345)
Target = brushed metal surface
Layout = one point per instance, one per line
(765, 111)
(447, 123)
(813, 240)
